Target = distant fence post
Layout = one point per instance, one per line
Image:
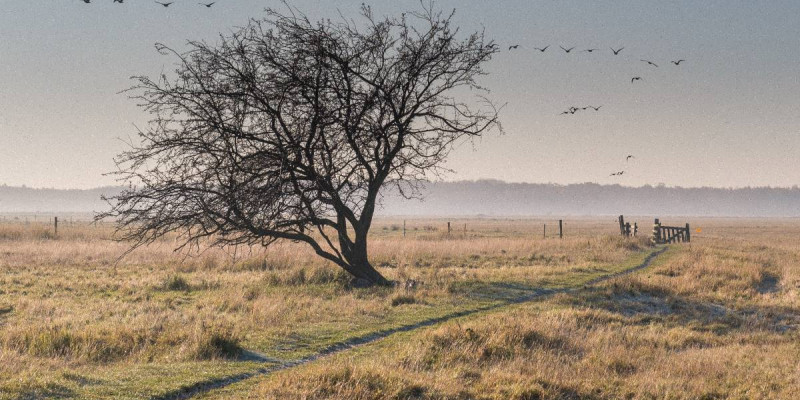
(688, 233)
(622, 225)
(404, 228)
(656, 231)
(448, 228)
(55, 226)
(560, 229)
(544, 232)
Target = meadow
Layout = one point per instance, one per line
(715, 318)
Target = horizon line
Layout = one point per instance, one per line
(487, 180)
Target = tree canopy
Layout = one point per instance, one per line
(288, 129)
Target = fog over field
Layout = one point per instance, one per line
(496, 198)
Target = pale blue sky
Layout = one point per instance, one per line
(728, 116)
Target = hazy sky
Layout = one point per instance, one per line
(728, 116)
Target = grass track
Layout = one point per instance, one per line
(189, 391)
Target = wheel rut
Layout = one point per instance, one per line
(198, 388)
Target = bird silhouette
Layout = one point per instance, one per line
(542, 49)
(514, 47)
(567, 50)
(629, 157)
(117, 1)
(678, 62)
(596, 108)
(165, 4)
(617, 50)
(617, 173)
(87, 1)
(590, 50)
(636, 78)
(650, 62)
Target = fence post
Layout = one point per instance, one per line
(404, 228)
(688, 233)
(656, 231)
(448, 228)
(560, 229)
(55, 227)
(621, 225)
(544, 232)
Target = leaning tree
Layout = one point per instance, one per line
(289, 129)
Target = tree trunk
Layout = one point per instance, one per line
(361, 268)
(368, 273)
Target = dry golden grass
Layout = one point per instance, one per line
(72, 317)
(717, 318)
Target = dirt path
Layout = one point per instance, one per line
(206, 386)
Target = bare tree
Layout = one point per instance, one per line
(288, 129)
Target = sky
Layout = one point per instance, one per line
(729, 116)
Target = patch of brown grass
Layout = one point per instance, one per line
(717, 318)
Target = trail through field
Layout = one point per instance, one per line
(199, 388)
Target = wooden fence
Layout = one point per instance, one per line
(625, 228)
(670, 234)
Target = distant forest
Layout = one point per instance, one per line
(28, 200)
(496, 198)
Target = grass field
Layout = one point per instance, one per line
(716, 318)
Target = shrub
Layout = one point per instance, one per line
(214, 342)
(176, 283)
(403, 299)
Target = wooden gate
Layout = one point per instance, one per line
(670, 234)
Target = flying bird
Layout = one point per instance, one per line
(567, 50)
(514, 47)
(636, 78)
(629, 157)
(164, 4)
(617, 173)
(650, 62)
(596, 108)
(617, 50)
(678, 62)
(117, 1)
(542, 49)
(590, 50)
(87, 1)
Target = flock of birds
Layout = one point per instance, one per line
(165, 5)
(613, 51)
(572, 110)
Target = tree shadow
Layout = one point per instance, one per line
(643, 304)
(48, 391)
(82, 380)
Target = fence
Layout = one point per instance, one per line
(670, 234)
(625, 228)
